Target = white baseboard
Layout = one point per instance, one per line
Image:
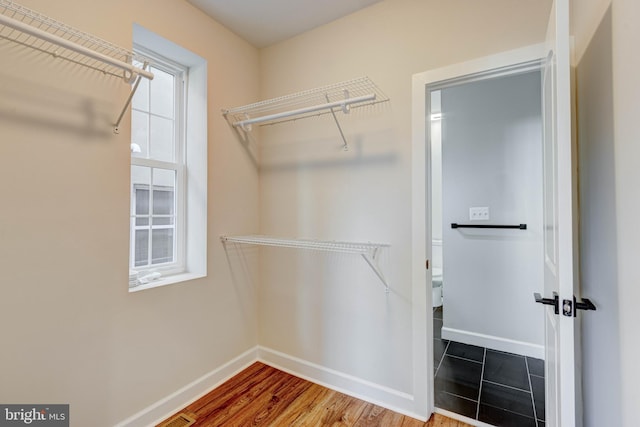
(368, 391)
(493, 342)
(159, 411)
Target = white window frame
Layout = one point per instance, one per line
(181, 75)
(192, 192)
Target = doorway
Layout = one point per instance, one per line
(486, 226)
(455, 342)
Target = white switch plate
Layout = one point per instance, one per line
(479, 213)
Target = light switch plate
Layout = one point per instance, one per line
(479, 213)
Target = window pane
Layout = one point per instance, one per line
(162, 246)
(163, 202)
(163, 191)
(140, 182)
(142, 202)
(140, 99)
(162, 220)
(162, 93)
(140, 133)
(161, 139)
(141, 248)
(142, 221)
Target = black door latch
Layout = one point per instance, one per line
(548, 301)
(567, 305)
(585, 304)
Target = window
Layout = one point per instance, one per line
(157, 169)
(168, 166)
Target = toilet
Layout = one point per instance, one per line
(436, 273)
(436, 282)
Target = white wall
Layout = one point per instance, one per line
(71, 331)
(606, 34)
(492, 157)
(626, 92)
(435, 136)
(331, 310)
(435, 179)
(598, 245)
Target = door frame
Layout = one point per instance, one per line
(422, 84)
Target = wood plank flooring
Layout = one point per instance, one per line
(264, 396)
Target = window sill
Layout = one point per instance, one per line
(168, 280)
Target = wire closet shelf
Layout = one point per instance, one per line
(37, 31)
(369, 251)
(329, 99)
(42, 33)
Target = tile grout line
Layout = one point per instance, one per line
(484, 358)
(511, 387)
(459, 397)
(533, 401)
(507, 353)
(512, 412)
(444, 353)
(462, 358)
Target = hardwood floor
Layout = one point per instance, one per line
(264, 396)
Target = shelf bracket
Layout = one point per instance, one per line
(345, 109)
(137, 77)
(371, 260)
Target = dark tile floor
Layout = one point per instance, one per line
(494, 387)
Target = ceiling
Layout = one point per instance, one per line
(265, 22)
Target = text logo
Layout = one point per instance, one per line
(34, 415)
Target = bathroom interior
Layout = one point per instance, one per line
(486, 228)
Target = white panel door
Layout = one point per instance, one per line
(558, 221)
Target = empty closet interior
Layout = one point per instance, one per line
(304, 253)
(323, 246)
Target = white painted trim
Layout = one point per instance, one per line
(493, 342)
(395, 400)
(422, 318)
(477, 66)
(421, 234)
(167, 280)
(162, 409)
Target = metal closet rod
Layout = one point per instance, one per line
(67, 44)
(329, 105)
